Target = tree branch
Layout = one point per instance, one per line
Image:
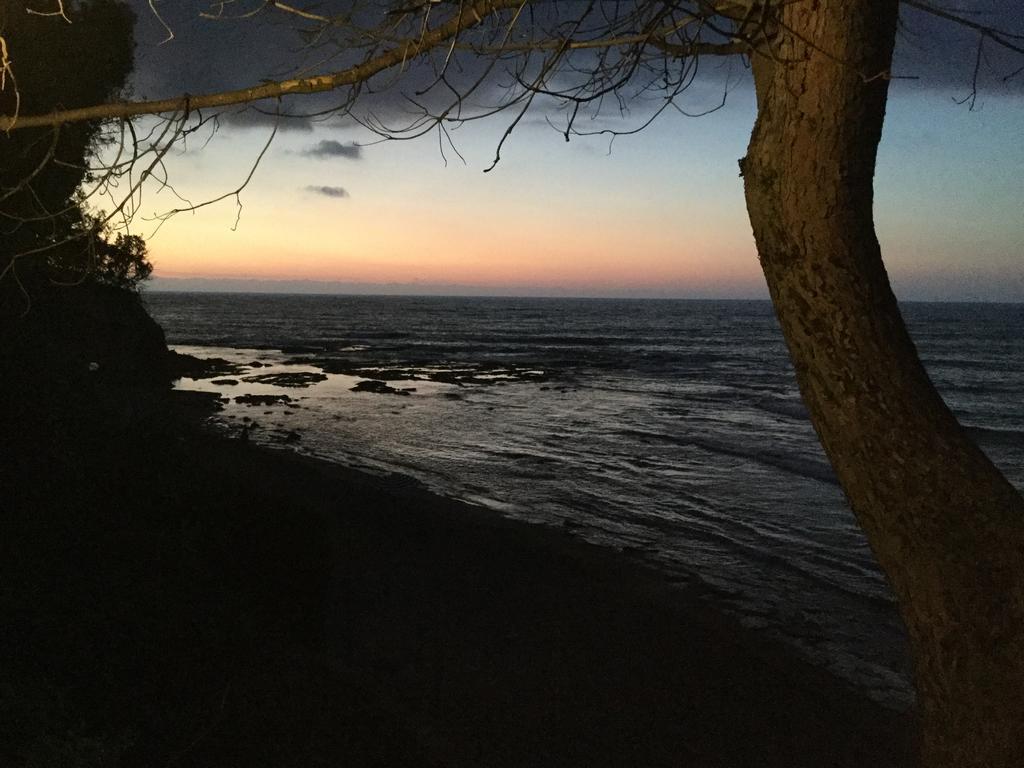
(472, 16)
(995, 35)
(676, 49)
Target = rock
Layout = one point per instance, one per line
(82, 362)
(379, 374)
(182, 366)
(262, 399)
(447, 377)
(303, 379)
(198, 403)
(378, 387)
(225, 382)
(66, 328)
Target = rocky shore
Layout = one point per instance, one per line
(176, 598)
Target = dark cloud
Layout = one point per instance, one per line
(338, 192)
(331, 148)
(936, 53)
(207, 55)
(255, 117)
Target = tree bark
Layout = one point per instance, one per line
(946, 526)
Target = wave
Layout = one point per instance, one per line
(803, 467)
(994, 435)
(1000, 365)
(792, 408)
(628, 381)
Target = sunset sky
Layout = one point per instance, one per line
(660, 214)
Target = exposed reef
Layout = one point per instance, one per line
(296, 380)
(187, 366)
(262, 399)
(379, 387)
(459, 374)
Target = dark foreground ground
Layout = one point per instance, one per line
(170, 598)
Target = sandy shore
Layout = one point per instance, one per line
(179, 599)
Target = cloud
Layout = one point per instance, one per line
(326, 191)
(332, 148)
(205, 57)
(941, 54)
(256, 118)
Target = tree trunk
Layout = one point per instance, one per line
(945, 525)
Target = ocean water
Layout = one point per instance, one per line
(671, 430)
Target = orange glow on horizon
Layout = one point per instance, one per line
(357, 244)
(541, 268)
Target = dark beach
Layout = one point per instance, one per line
(173, 597)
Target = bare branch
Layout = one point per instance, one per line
(236, 193)
(999, 37)
(396, 55)
(675, 49)
(164, 24)
(59, 12)
(309, 15)
(35, 171)
(298, 12)
(6, 73)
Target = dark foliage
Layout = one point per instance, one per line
(123, 262)
(100, 256)
(56, 65)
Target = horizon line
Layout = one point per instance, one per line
(343, 295)
(307, 287)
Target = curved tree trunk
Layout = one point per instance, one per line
(945, 525)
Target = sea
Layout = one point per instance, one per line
(669, 430)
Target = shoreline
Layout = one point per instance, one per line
(182, 598)
(636, 646)
(871, 666)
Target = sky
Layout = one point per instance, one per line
(657, 214)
